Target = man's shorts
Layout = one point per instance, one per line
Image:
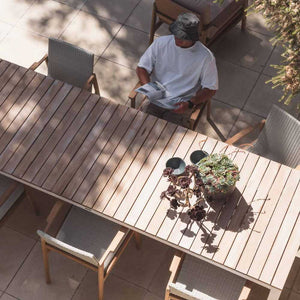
(166, 114)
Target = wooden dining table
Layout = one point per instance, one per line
(108, 158)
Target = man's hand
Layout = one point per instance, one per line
(181, 107)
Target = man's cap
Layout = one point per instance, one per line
(186, 27)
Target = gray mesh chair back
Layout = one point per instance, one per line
(69, 63)
(280, 138)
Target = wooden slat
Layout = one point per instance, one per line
(270, 234)
(65, 140)
(171, 218)
(164, 205)
(47, 107)
(49, 137)
(110, 196)
(78, 139)
(149, 210)
(254, 211)
(14, 101)
(120, 159)
(11, 85)
(18, 114)
(3, 66)
(104, 148)
(7, 74)
(154, 178)
(245, 199)
(279, 246)
(124, 205)
(89, 190)
(136, 147)
(206, 246)
(183, 221)
(263, 220)
(289, 254)
(96, 134)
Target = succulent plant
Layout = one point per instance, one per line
(218, 173)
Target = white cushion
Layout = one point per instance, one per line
(199, 280)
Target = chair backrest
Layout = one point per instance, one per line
(280, 138)
(69, 63)
(81, 254)
(206, 9)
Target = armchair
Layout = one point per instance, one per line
(69, 63)
(194, 117)
(192, 278)
(279, 138)
(87, 239)
(215, 19)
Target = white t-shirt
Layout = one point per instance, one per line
(182, 71)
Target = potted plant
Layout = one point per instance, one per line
(219, 175)
(185, 191)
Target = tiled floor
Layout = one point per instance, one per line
(117, 32)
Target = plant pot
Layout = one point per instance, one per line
(177, 164)
(218, 195)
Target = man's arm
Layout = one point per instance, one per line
(201, 96)
(143, 75)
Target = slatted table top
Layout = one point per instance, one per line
(109, 158)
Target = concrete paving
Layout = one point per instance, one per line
(117, 32)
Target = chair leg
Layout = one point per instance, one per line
(100, 281)
(243, 25)
(31, 201)
(208, 109)
(138, 240)
(153, 21)
(46, 261)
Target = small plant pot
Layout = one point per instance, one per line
(197, 155)
(177, 164)
(218, 196)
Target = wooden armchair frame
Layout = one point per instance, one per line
(175, 268)
(117, 246)
(92, 81)
(166, 11)
(247, 131)
(194, 117)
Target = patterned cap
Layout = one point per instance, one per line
(186, 27)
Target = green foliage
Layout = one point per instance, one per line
(283, 17)
(218, 172)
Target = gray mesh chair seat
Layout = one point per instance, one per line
(90, 239)
(279, 139)
(199, 280)
(69, 63)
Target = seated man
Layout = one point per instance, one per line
(184, 66)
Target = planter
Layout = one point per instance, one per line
(218, 196)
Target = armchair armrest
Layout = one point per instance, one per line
(244, 132)
(8, 192)
(116, 247)
(92, 81)
(38, 63)
(133, 94)
(175, 266)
